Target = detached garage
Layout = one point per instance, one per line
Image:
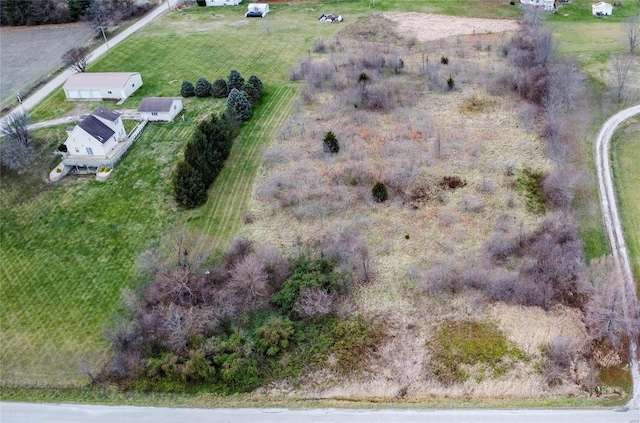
(159, 109)
(102, 85)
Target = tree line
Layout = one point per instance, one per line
(39, 12)
(205, 153)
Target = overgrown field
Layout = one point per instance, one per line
(467, 170)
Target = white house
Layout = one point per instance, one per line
(601, 9)
(102, 85)
(222, 2)
(257, 10)
(95, 137)
(548, 5)
(160, 109)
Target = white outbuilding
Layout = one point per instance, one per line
(102, 85)
(601, 9)
(257, 10)
(160, 109)
(222, 2)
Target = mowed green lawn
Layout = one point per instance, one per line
(68, 249)
(626, 157)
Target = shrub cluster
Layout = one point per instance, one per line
(458, 344)
(363, 81)
(233, 327)
(252, 89)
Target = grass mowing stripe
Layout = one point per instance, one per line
(225, 211)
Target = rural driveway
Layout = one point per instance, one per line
(31, 101)
(50, 413)
(613, 227)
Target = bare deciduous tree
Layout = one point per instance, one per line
(249, 278)
(622, 65)
(315, 302)
(15, 126)
(559, 354)
(632, 32)
(77, 58)
(567, 80)
(604, 314)
(15, 151)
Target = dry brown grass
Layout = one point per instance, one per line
(479, 133)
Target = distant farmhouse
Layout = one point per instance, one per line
(548, 5)
(160, 109)
(102, 85)
(601, 9)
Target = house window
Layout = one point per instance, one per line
(77, 150)
(133, 85)
(89, 151)
(175, 107)
(109, 92)
(154, 113)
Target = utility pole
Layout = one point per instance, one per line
(19, 100)
(105, 37)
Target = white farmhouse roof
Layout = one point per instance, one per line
(98, 79)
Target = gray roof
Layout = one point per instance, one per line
(106, 114)
(156, 104)
(96, 129)
(98, 79)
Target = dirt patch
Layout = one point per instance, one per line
(427, 27)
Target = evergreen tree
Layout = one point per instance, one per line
(251, 92)
(219, 89)
(187, 89)
(203, 88)
(189, 191)
(379, 192)
(238, 105)
(331, 144)
(235, 80)
(256, 82)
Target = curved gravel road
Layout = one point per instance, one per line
(613, 227)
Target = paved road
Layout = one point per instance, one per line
(54, 413)
(615, 235)
(35, 98)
